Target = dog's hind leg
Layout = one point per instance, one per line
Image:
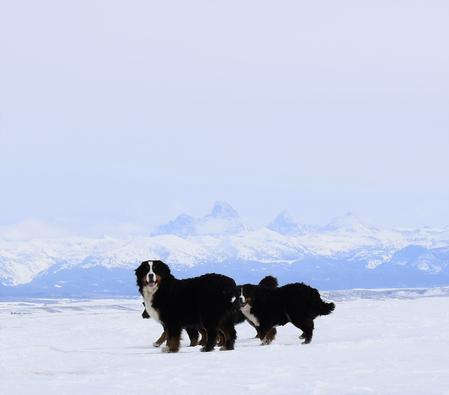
(307, 326)
(308, 331)
(193, 336)
(211, 337)
(229, 335)
(221, 338)
(203, 340)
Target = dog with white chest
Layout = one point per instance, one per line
(204, 302)
(267, 308)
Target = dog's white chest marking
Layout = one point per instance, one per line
(148, 295)
(246, 311)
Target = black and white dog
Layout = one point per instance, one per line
(200, 302)
(269, 307)
(239, 317)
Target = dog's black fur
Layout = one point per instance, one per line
(199, 302)
(297, 303)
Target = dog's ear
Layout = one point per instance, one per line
(269, 282)
(163, 269)
(142, 269)
(249, 291)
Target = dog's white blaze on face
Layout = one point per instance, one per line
(242, 297)
(148, 294)
(147, 277)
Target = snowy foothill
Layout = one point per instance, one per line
(388, 343)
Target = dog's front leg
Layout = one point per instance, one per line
(267, 334)
(173, 339)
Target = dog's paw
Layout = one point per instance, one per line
(265, 342)
(168, 350)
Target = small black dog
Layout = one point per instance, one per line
(239, 317)
(268, 307)
(200, 302)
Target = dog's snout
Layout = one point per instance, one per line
(151, 277)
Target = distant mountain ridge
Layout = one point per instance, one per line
(223, 219)
(348, 222)
(345, 253)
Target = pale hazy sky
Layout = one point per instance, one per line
(115, 112)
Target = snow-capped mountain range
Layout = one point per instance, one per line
(223, 219)
(346, 253)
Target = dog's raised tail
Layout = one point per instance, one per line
(326, 307)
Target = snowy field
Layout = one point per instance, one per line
(394, 345)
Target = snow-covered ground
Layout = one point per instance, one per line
(367, 346)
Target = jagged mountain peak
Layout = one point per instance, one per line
(348, 222)
(223, 210)
(223, 219)
(182, 225)
(284, 223)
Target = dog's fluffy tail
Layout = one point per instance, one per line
(326, 307)
(269, 282)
